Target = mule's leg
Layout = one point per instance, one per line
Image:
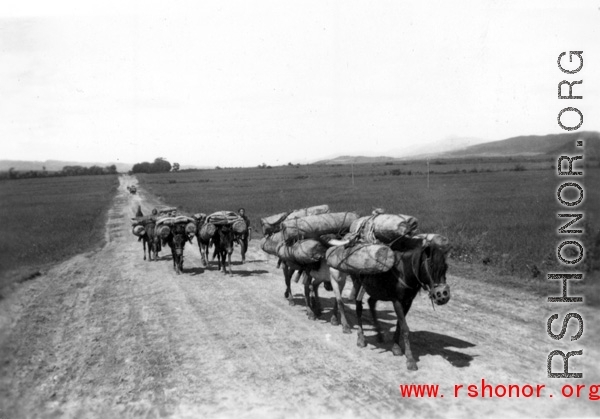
(202, 256)
(229, 262)
(396, 348)
(174, 256)
(411, 364)
(338, 280)
(358, 294)
(144, 245)
(307, 297)
(372, 304)
(287, 275)
(316, 302)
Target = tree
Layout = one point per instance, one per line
(175, 167)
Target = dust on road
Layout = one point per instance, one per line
(108, 334)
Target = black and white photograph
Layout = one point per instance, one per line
(299, 209)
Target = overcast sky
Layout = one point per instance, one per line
(239, 83)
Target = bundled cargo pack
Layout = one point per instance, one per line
(170, 221)
(304, 252)
(438, 240)
(269, 243)
(384, 228)
(304, 212)
(207, 231)
(143, 221)
(314, 226)
(163, 231)
(223, 218)
(239, 227)
(361, 259)
(190, 229)
(272, 223)
(138, 230)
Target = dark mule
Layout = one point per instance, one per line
(203, 246)
(420, 266)
(203, 242)
(223, 241)
(153, 241)
(177, 240)
(314, 276)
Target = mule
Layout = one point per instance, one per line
(316, 274)
(223, 241)
(152, 240)
(418, 267)
(176, 241)
(203, 242)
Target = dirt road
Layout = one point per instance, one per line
(107, 334)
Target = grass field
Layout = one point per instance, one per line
(46, 220)
(497, 212)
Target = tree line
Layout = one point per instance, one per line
(66, 171)
(160, 165)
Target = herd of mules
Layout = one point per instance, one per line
(223, 240)
(419, 266)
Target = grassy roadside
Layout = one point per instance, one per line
(46, 220)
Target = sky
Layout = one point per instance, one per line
(241, 83)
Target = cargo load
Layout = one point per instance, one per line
(149, 219)
(272, 223)
(436, 240)
(223, 218)
(138, 230)
(314, 226)
(304, 212)
(239, 227)
(166, 210)
(361, 259)
(190, 229)
(163, 231)
(170, 221)
(304, 252)
(207, 231)
(384, 228)
(269, 243)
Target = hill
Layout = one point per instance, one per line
(525, 145)
(532, 145)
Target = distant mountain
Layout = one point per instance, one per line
(527, 145)
(355, 160)
(532, 145)
(55, 165)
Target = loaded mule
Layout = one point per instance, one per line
(176, 235)
(205, 232)
(223, 240)
(314, 270)
(421, 264)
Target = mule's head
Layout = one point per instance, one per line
(179, 243)
(432, 273)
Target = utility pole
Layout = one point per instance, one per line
(427, 173)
